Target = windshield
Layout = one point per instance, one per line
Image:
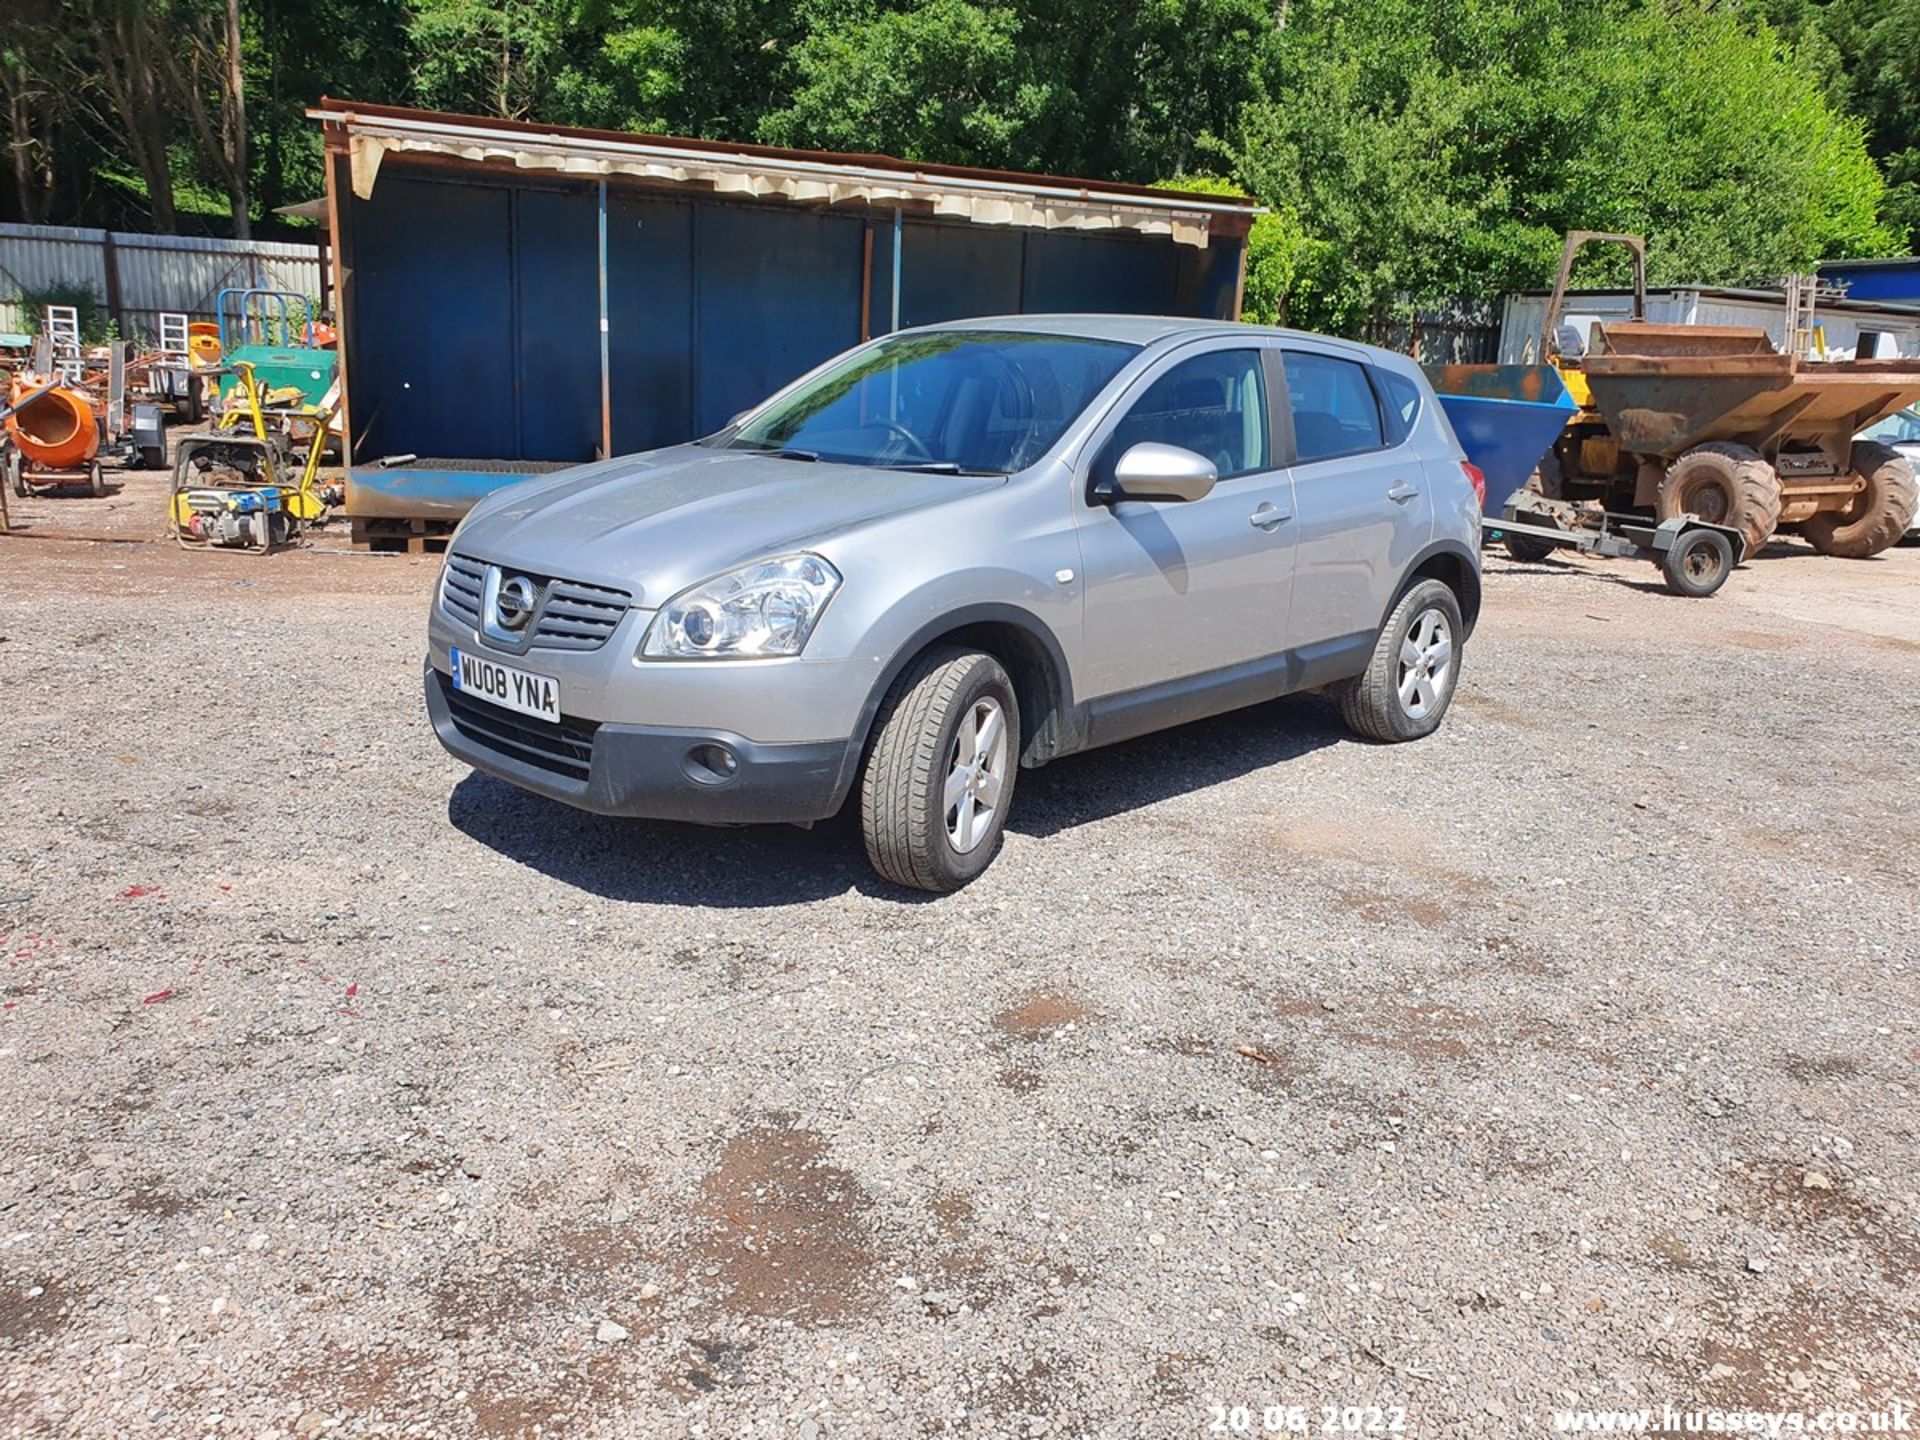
(1900, 428)
(958, 401)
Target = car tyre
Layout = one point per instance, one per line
(930, 815)
(1410, 678)
(1699, 564)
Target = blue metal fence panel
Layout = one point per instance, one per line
(778, 291)
(473, 326)
(1076, 272)
(948, 272)
(429, 343)
(650, 321)
(1217, 284)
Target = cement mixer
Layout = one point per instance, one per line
(53, 438)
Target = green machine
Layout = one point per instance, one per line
(274, 332)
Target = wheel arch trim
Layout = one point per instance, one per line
(1417, 569)
(1058, 677)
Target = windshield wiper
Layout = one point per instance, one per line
(939, 467)
(779, 452)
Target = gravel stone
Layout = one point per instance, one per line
(1213, 976)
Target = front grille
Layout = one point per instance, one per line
(461, 589)
(571, 614)
(575, 616)
(563, 749)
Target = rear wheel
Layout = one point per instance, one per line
(1723, 484)
(1531, 549)
(1410, 678)
(96, 479)
(1877, 516)
(1698, 564)
(1544, 483)
(17, 473)
(940, 774)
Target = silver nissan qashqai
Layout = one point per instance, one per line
(954, 552)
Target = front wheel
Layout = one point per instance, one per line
(1409, 680)
(96, 479)
(17, 473)
(1723, 484)
(940, 772)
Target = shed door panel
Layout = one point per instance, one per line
(778, 292)
(556, 270)
(431, 358)
(650, 321)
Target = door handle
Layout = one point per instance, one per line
(1266, 516)
(1402, 492)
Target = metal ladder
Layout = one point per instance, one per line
(63, 332)
(173, 335)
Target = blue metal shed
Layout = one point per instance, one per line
(1897, 280)
(513, 297)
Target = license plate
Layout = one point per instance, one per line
(511, 689)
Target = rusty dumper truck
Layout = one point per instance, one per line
(1716, 423)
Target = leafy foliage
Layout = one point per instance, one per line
(1407, 150)
(1441, 151)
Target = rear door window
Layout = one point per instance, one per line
(1333, 407)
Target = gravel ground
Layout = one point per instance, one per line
(1565, 1059)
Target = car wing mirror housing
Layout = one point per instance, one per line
(1153, 471)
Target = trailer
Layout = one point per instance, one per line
(1506, 417)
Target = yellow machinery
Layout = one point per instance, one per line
(228, 489)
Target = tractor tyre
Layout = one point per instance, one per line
(1877, 516)
(1724, 484)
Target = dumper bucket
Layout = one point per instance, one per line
(1506, 417)
(1637, 337)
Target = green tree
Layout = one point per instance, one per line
(1435, 151)
(1879, 45)
(488, 57)
(938, 82)
(1134, 89)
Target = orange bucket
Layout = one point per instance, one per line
(55, 431)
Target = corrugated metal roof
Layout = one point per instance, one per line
(991, 197)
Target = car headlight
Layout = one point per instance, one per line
(765, 609)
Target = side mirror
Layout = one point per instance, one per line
(1152, 471)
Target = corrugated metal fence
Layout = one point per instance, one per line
(1455, 332)
(138, 276)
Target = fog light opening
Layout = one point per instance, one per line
(712, 764)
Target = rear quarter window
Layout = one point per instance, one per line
(1399, 403)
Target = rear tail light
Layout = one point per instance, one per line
(1477, 478)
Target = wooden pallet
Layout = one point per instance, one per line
(384, 535)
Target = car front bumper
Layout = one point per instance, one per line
(653, 772)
